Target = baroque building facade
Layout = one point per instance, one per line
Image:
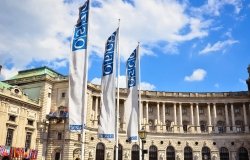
(180, 125)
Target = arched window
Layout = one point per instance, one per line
(135, 153)
(221, 126)
(188, 153)
(100, 151)
(243, 154)
(206, 153)
(224, 154)
(119, 152)
(153, 153)
(170, 153)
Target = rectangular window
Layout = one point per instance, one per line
(49, 95)
(12, 118)
(28, 139)
(9, 137)
(237, 111)
(201, 111)
(30, 122)
(79, 137)
(167, 111)
(184, 111)
(63, 94)
(150, 109)
(59, 136)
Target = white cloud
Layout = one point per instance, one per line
(214, 7)
(37, 30)
(122, 83)
(8, 73)
(197, 75)
(218, 46)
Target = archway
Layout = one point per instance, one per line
(170, 153)
(206, 155)
(153, 153)
(188, 153)
(224, 154)
(243, 154)
(135, 152)
(100, 151)
(119, 152)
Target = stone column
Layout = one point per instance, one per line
(192, 117)
(227, 120)
(96, 110)
(158, 125)
(163, 117)
(209, 118)
(215, 118)
(141, 114)
(233, 119)
(180, 114)
(245, 118)
(175, 119)
(147, 125)
(198, 128)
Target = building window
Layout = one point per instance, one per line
(168, 125)
(206, 153)
(79, 137)
(188, 153)
(239, 126)
(9, 137)
(135, 155)
(153, 153)
(30, 122)
(203, 125)
(100, 151)
(150, 109)
(12, 118)
(242, 153)
(224, 154)
(167, 111)
(201, 111)
(49, 95)
(119, 152)
(221, 126)
(219, 112)
(28, 139)
(237, 111)
(59, 135)
(170, 153)
(63, 94)
(184, 111)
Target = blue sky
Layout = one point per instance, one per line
(199, 46)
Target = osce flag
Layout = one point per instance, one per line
(131, 104)
(78, 71)
(106, 129)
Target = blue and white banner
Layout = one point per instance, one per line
(131, 104)
(78, 71)
(107, 124)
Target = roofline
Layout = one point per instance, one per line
(43, 67)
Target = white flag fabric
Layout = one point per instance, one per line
(106, 129)
(78, 71)
(131, 104)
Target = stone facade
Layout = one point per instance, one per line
(203, 123)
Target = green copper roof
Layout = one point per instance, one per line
(4, 85)
(37, 72)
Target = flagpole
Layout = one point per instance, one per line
(118, 92)
(85, 92)
(139, 87)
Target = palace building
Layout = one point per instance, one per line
(180, 125)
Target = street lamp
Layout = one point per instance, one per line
(143, 135)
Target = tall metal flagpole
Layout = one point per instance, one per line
(118, 91)
(139, 87)
(85, 92)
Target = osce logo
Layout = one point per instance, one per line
(131, 72)
(109, 55)
(81, 29)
